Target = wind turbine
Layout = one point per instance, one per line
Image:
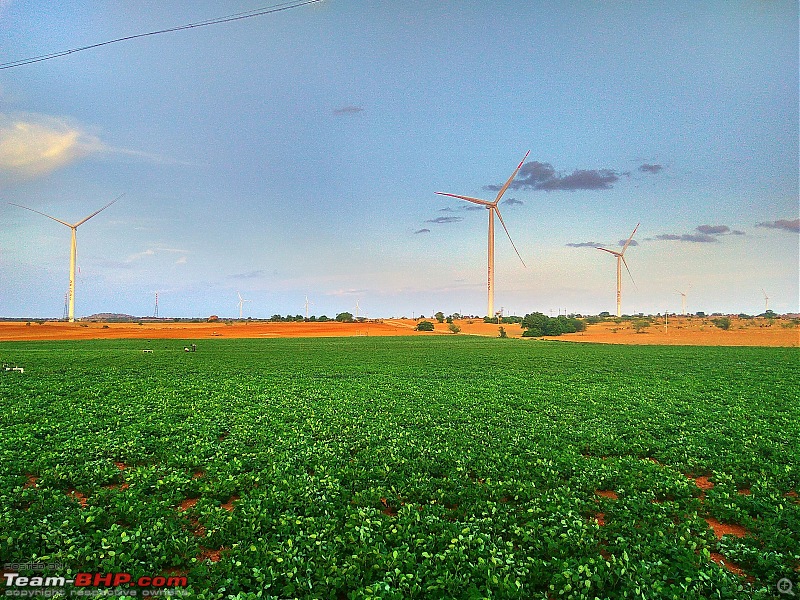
(621, 259)
(241, 304)
(683, 302)
(308, 303)
(766, 300)
(492, 208)
(73, 248)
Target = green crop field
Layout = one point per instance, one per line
(446, 467)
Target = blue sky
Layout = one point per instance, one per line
(297, 154)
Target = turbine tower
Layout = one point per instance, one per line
(73, 249)
(493, 208)
(683, 302)
(241, 304)
(621, 259)
(766, 300)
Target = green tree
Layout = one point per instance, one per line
(439, 316)
(424, 326)
(453, 327)
(722, 323)
(345, 317)
(502, 332)
(639, 325)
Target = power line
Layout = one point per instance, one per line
(227, 19)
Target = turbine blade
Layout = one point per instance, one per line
(79, 223)
(467, 198)
(609, 251)
(41, 213)
(510, 179)
(629, 272)
(499, 216)
(625, 247)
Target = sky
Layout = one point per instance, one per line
(297, 154)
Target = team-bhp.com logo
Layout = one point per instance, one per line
(93, 584)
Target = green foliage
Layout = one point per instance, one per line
(345, 317)
(639, 325)
(502, 332)
(537, 324)
(439, 316)
(453, 327)
(722, 322)
(397, 468)
(424, 326)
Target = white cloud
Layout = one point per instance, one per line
(33, 145)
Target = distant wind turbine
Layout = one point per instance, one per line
(493, 208)
(308, 303)
(73, 249)
(683, 301)
(621, 259)
(766, 300)
(241, 304)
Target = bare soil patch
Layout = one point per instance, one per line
(680, 331)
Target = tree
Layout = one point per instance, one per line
(639, 325)
(345, 317)
(424, 326)
(722, 323)
(439, 316)
(502, 332)
(453, 327)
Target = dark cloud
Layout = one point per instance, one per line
(584, 244)
(422, 231)
(347, 110)
(446, 209)
(782, 224)
(633, 243)
(646, 168)
(737, 232)
(713, 229)
(512, 201)
(445, 220)
(542, 176)
(472, 207)
(688, 237)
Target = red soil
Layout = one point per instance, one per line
(732, 567)
(78, 496)
(721, 529)
(681, 331)
(229, 504)
(607, 494)
(601, 519)
(187, 504)
(31, 482)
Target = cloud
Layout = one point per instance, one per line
(33, 145)
(181, 261)
(347, 110)
(688, 237)
(154, 251)
(584, 244)
(422, 231)
(647, 168)
(713, 229)
(446, 209)
(633, 243)
(512, 201)
(445, 220)
(786, 224)
(248, 275)
(472, 207)
(535, 175)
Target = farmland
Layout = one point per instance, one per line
(442, 467)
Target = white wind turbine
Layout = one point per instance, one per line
(766, 300)
(241, 304)
(493, 208)
(621, 259)
(683, 301)
(73, 249)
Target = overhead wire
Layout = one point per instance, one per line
(216, 21)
